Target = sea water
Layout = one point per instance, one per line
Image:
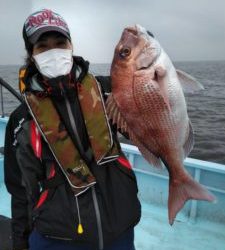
(206, 108)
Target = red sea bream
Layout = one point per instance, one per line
(148, 103)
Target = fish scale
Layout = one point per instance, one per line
(151, 104)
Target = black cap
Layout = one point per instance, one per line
(40, 22)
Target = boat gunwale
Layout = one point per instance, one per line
(189, 162)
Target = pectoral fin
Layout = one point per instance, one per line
(117, 118)
(115, 115)
(162, 80)
(188, 82)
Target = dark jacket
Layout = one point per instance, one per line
(106, 211)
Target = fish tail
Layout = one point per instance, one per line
(180, 192)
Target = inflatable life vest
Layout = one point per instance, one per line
(49, 123)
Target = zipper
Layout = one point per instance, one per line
(72, 121)
(98, 218)
(95, 201)
(85, 154)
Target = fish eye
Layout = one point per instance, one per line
(124, 52)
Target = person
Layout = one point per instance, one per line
(71, 185)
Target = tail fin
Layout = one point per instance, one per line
(180, 193)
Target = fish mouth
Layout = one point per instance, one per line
(132, 30)
(150, 51)
(144, 67)
(149, 62)
(137, 30)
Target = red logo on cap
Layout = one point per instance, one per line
(47, 15)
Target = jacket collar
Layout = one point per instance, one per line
(35, 82)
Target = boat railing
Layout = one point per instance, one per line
(11, 90)
(209, 174)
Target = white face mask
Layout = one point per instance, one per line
(54, 62)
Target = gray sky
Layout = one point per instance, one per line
(187, 30)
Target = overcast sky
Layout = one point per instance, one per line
(188, 30)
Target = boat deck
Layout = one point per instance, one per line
(199, 225)
(154, 232)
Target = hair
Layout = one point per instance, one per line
(28, 58)
(28, 48)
